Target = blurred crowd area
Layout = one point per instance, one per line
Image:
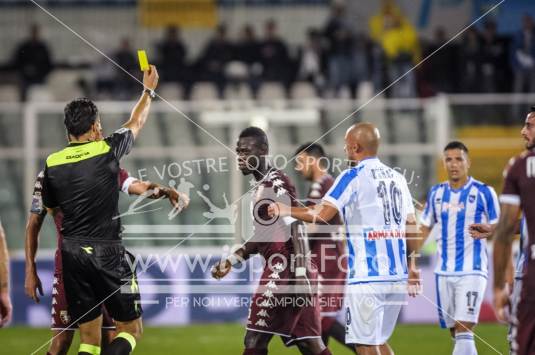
(335, 60)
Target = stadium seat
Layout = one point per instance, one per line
(303, 90)
(63, 84)
(203, 91)
(39, 93)
(271, 91)
(365, 90)
(170, 91)
(238, 91)
(236, 71)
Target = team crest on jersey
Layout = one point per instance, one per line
(453, 207)
(471, 198)
(64, 316)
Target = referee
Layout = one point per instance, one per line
(82, 180)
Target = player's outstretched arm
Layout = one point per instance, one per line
(5, 301)
(502, 256)
(321, 213)
(413, 246)
(32, 283)
(141, 110)
(152, 190)
(223, 267)
(422, 233)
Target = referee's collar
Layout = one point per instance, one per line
(74, 144)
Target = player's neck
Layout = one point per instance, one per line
(459, 183)
(261, 172)
(84, 138)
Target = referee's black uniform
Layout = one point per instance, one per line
(82, 180)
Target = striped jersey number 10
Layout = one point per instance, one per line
(391, 198)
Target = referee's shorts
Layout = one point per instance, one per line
(96, 273)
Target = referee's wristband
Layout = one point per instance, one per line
(151, 93)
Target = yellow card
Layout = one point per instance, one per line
(143, 61)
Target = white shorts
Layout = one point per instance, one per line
(459, 298)
(372, 310)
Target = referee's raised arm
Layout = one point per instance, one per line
(141, 110)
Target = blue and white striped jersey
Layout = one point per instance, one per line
(521, 258)
(451, 212)
(374, 202)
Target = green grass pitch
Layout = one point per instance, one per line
(222, 339)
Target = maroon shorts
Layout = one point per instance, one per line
(61, 320)
(275, 310)
(524, 341)
(332, 279)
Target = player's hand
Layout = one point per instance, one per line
(502, 303)
(278, 209)
(32, 285)
(480, 230)
(179, 200)
(150, 78)
(414, 284)
(6, 310)
(221, 269)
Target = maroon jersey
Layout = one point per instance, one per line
(269, 313)
(272, 235)
(61, 319)
(519, 189)
(328, 237)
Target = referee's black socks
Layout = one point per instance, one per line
(123, 344)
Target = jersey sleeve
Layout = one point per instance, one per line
(37, 206)
(511, 191)
(121, 142)
(283, 192)
(49, 199)
(427, 217)
(125, 180)
(492, 205)
(342, 189)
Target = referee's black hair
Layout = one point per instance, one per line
(310, 148)
(257, 133)
(80, 115)
(456, 145)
